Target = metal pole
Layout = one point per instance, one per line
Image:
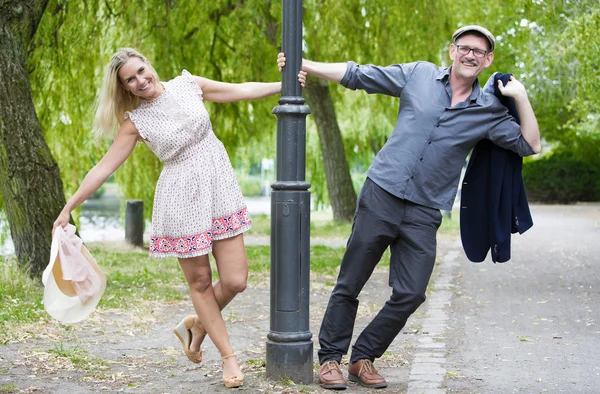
(289, 345)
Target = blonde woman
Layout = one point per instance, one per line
(198, 207)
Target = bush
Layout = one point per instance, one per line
(250, 187)
(562, 177)
(98, 193)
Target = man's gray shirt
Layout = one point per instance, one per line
(422, 160)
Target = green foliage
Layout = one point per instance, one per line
(322, 227)
(218, 40)
(134, 275)
(261, 224)
(20, 296)
(326, 261)
(358, 179)
(332, 34)
(566, 95)
(138, 176)
(551, 46)
(250, 187)
(78, 357)
(314, 167)
(131, 275)
(4, 227)
(66, 73)
(323, 260)
(99, 193)
(9, 388)
(328, 228)
(563, 177)
(450, 224)
(582, 44)
(224, 41)
(554, 49)
(319, 227)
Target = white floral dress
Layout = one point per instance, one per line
(197, 198)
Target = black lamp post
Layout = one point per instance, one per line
(289, 345)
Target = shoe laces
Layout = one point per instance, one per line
(332, 366)
(367, 366)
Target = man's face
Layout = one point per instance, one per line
(469, 65)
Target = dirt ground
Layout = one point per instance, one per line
(525, 326)
(115, 351)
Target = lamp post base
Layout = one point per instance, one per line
(290, 359)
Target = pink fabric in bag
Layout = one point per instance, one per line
(75, 267)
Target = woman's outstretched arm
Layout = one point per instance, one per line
(223, 92)
(119, 151)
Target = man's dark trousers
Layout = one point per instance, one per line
(409, 229)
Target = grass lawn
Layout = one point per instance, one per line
(133, 275)
(323, 226)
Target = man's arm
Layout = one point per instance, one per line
(529, 125)
(388, 80)
(333, 72)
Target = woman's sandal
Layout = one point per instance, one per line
(184, 333)
(232, 381)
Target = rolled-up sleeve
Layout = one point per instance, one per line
(506, 133)
(388, 80)
(504, 129)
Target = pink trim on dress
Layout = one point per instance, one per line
(199, 244)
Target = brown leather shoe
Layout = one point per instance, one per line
(364, 373)
(330, 376)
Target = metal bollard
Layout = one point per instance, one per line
(134, 222)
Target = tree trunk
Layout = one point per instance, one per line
(29, 177)
(339, 183)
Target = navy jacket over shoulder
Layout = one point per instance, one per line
(493, 200)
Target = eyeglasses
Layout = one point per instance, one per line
(464, 50)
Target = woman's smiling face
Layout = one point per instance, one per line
(137, 77)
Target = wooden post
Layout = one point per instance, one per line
(134, 222)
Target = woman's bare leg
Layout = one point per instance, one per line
(232, 265)
(198, 274)
(207, 298)
(230, 256)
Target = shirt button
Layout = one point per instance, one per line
(428, 142)
(412, 177)
(421, 159)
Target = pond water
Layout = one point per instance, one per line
(101, 220)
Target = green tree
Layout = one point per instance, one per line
(553, 48)
(550, 45)
(535, 42)
(30, 183)
(367, 32)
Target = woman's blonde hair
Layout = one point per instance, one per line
(114, 100)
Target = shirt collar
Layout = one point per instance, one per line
(443, 74)
(476, 94)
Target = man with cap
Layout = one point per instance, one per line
(443, 113)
